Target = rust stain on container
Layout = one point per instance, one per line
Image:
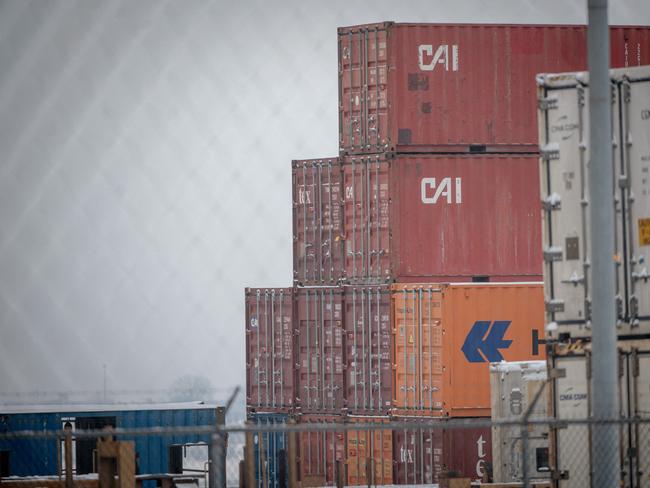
(317, 222)
(368, 349)
(270, 380)
(321, 363)
(427, 455)
(446, 335)
(457, 87)
(441, 217)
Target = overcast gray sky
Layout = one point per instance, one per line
(145, 152)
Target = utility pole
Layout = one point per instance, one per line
(104, 366)
(604, 447)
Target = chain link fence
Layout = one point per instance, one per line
(379, 452)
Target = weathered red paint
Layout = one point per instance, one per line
(457, 87)
(270, 374)
(320, 451)
(426, 455)
(317, 222)
(320, 353)
(442, 218)
(368, 349)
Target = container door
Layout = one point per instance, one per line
(321, 378)
(269, 335)
(363, 82)
(418, 455)
(367, 232)
(270, 450)
(368, 349)
(317, 222)
(640, 379)
(86, 449)
(572, 443)
(636, 184)
(370, 452)
(418, 375)
(564, 190)
(319, 453)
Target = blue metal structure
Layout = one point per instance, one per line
(41, 456)
(271, 465)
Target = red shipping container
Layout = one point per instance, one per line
(317, 222)
(457, 87)
(320, 451)
(424, 455)
(319, 320)
(368, 349)
(442, 218)
(270, 381)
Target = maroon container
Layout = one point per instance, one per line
(457, 88)
(321, 379)
(426, 455)
(442, 218)
(270, 373)
(368, 350)
(320, 451)
(317, 222)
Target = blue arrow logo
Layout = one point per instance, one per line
(476, 341)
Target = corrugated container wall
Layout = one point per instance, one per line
(41, 456)
(442, 218)
(368, 349)
(317, 222)
(270, 450)
(457, 88)
(571, 400)
(270, 380)
(564, 140)
(424, 456)
(320, 357)
(514, 387)
(445, 336)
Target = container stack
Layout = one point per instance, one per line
(568, 282)
(417, 254)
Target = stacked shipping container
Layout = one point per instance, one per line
(433, 194)
(564, 168)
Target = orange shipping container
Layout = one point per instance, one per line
(445, 336)
(375, 446)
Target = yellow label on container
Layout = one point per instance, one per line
(644, 232)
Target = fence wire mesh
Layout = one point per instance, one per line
(380, 452)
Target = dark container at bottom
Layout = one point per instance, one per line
(270, 451)
(427, 455)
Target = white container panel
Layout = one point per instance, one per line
(572, 402)
(513, 387)
(635, 94)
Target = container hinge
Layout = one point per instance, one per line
(550, 151)
(553, 253)
(554, 305)
(552, 202)
(547, 103)
(557, 373)
(623, 181)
